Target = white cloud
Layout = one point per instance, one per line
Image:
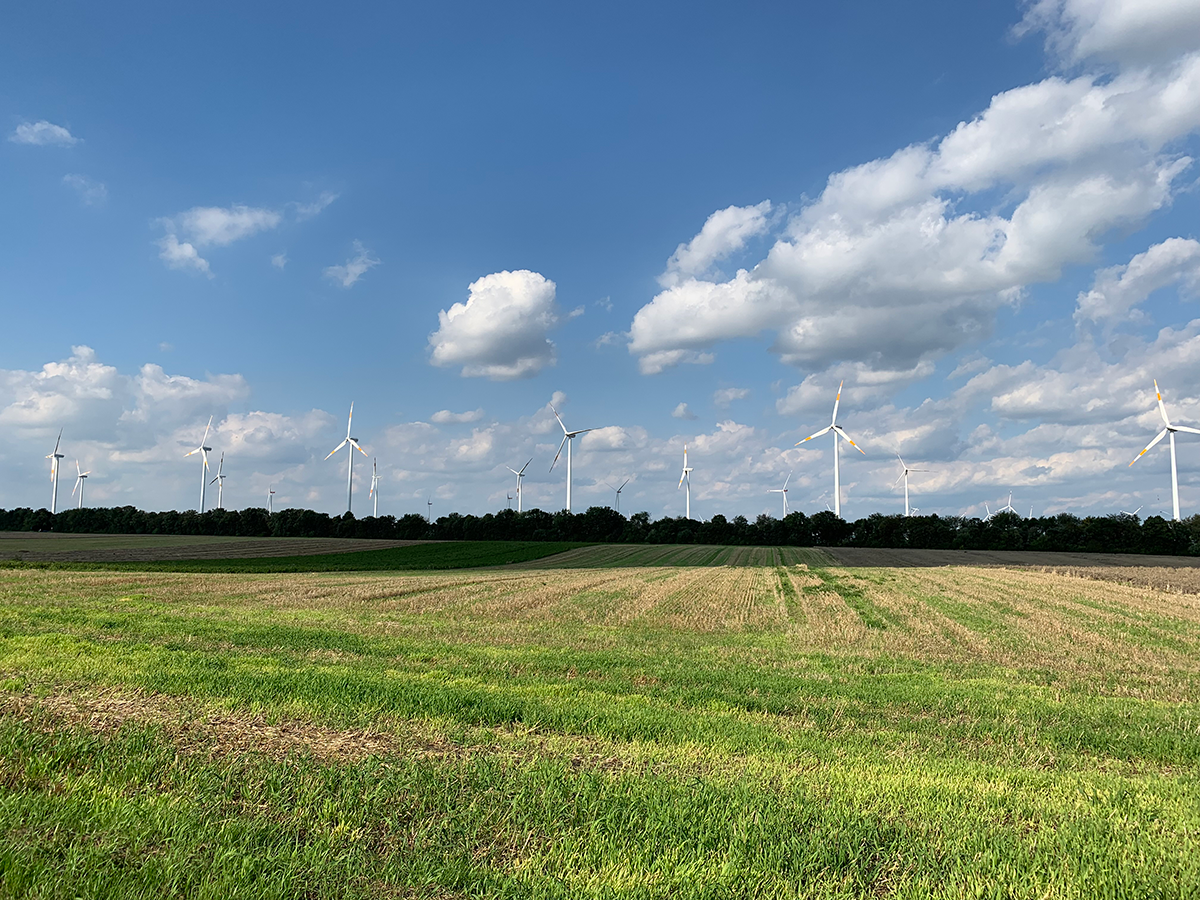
(279, 260)
(501, 332)
(181, 256)
(309, 210)
(446, 417)
(215, 226)
(892, 265)
(42, 133)
(356, 266)
(726, 231)
(725, 396)
(1118, 290)
(1118, 31)
(90, 192)
(682, 412)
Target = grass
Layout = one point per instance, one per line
(604, 732)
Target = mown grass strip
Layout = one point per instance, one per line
(872, 616)
(419, 557)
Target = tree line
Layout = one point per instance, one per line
(1003, 531)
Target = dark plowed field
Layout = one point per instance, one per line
(37, 547)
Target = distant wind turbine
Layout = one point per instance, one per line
(429, 512)
(618, 490)
(907, 511)
(989, 512)
(1169, 429)
(509, 500)
(521, 474)
(270, 499)
(686, 478)
(219, 481)
(1009, 507)
(568, 439)
(353, 442)
(1123, 512)
(203, 451)
(375, 486)
(80, 479)
(838, 432)
(784, 491)
(54, 457)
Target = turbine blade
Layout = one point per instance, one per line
(354, 444)
(898, 480)
(204, 440)
(560, 421)
(511, 469)
(622, 487)
(58, 440)
(351, 419)
(331, 452)
(786, 480)
(836, 402)
(526, 466)
(1186, 428)
(580, 431)
(1162, 434)
(846, 437)
(824, 430)
(566, 437)
(1161, 408)
(682, 475)
(216, 478)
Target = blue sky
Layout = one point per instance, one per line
(981, 216)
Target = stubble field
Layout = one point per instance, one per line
(780, 727)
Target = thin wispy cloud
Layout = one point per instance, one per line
(43, 134)
(90, 192)
(355, 267)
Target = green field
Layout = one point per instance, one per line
(689, 730)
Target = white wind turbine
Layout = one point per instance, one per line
(1169, 429)
(618, 490)
(686, 478)
(521, 474)
(203, 451)
(81, 477)
(908, 511)
(375, 486)
(54, 457)
(1009, 507)
(353, 442)
(568, 439)
(270, 499)
(838, 432)
(783, 490)
(219, 481)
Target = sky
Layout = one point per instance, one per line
(685, 224)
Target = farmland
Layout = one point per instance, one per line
(606, 722)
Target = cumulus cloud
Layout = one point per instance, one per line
(181, 255)
(90, 192)
(356, 266)
(1114, 31)
(215, 226)
(446, 417)
(909, 257)
(1118, 290)
(501, 332)
(682, 412)
(725, 396)
(42, 133)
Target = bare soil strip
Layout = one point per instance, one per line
(873, 557)
(51, 547)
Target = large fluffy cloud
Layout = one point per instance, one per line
(501, 332)
(909, 257)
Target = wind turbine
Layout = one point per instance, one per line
(521, 474)
(618, 490)
(429, 512)
(375, 486)
(1009, 508)
(1123, 512)
(907, 510)
(509, 500)
(568, 439)
(353, 442)
(1169, 429)
(203, 451)
(54, 458)
(79, 482)
(989, 513)
(270, 499)
(686, 477)
(838, 432)
(219, 481)
(783, 490)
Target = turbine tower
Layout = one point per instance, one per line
(908, 511)
(783, 490)
(353, 442)
(203, 451)
(270, 499)
(81, 477)
(1169, 429)
(219, 481)
(618, 490)
(838, 432)
(520, 475)
(686, 477)
(375, 486)
(568, 439)
(54, 458)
